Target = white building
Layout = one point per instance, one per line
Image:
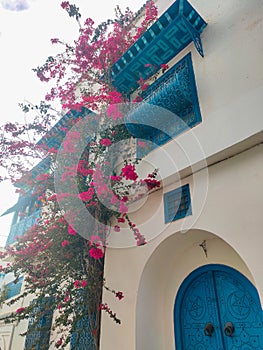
(202, 265)
(197, 283)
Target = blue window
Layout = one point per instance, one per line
(177, 204)
(170, 106)
(39, 326)
(13, 288)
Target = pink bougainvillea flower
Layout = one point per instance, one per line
(140, 81)
(76, 284)
(164, 66)
(115, 178)
(152, 183)
(142, 144)
(123, 208)
(54, 40)
(115, 97)
(83, 284)
(87, 195)
(83, 168)
(121, 219)
(114, 200)
(129, 172)
(52, 197)
(119, 295)
(66, 299)
(52, 150)
(113, 111)
(96, 240)
(59, 343)
(117, 228)
(144, 87)
(64, 4)
(96, 253)
(105, 142)
(71, 231)
(20, 310)
(137, 99)
(65, 243)
(42, 177)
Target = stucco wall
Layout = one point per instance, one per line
(222, 160)
(230, 221)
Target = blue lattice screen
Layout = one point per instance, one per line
(13, 288)
(177, 204)
(39, 326)
(81, 338)
(170, 106)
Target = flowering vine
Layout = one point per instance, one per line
(60, 265)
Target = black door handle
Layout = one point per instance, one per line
(209, 329)
(229, 329)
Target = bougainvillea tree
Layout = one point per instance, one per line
(59, 264)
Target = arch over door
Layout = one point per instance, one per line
(222, 301)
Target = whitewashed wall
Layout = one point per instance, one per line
(222, 160)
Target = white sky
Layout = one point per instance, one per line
(26, 27)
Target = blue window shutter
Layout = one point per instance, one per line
(177, 204)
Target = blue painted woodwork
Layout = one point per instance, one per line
(19, 229)
(177, 204)
(55, 136)
(38, 333)
(81, 338)
(170, 34)
(170, 106)
(218, 294)
(13, 288)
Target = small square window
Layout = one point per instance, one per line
(177, 204)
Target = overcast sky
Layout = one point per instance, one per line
(26, 27)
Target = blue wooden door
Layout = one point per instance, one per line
(217, 308)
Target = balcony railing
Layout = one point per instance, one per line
(18, 229)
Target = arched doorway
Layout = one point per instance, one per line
(217, 308)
